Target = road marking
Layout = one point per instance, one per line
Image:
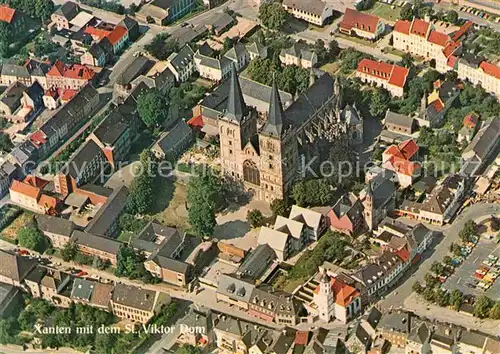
(458, 281)
(475, 260)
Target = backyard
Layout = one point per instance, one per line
(385, 11)
(10, 232)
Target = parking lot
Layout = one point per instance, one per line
(465, 272)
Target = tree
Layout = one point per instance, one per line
(350, 58)
(255, 218)
(455, 249)
(430, 281)
(495, 311)
(321, 51)
(447, 260)
(442, 297)
(152, 107)
(468, 231)
(188, 349)
(379, 103)
(417, 287)
(311, 192)
(495, 223)
(406, 12)
(429, 294)
(30, 237)
(279, 207)
(26, 320)
(202, 219)
(104, 343)
(406, 61)
(6, 330)
(272, 15)
(451, 76)
(161, 47)
(456, 299)
(452, 16)
(69, 251)
(377, 153)
(140, 195)
(5, 143)
(482, 306)
(333, 49)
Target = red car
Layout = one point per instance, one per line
(23, 253)
(478, 275)
(81, 274)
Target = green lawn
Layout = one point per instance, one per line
(385, 11)
(357, 40)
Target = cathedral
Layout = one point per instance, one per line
(267, 159)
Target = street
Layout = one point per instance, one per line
(403, 298)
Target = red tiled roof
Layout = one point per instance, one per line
(403, 254)
(401, 165)
(58, 69)
(490, 69)
(395, 75)
(399, 75)
(77, 71)
(47, 201)
(344, 294)
(25, 189)
(438, 105)
(402, 26)
(450, 48)
(6, 13)
(196, 122)
(419, 27)
(35, 181)
(68, 94)
(38, 138)
(408, 148)
(97, 32)
(301, 337)
(455, 36)
(452, 60)
(470, 120)
(359, 20)
(116, 34)
(438, 38)
(52, 93)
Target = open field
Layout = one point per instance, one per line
(10, 232)
(385, 11)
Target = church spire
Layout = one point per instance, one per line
(236, 107)
(312, 77)
(276, 116)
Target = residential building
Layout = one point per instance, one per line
(378, 201)
(401, 160)
(478, 71)
(220, 23)
(234, 291)
(73, 76)
(300, 55)
(182, 64)
(239, 55)
(469, 128)
(347, 215)
(173, 143)
(139, 66)
(33, 195)
(98, 53)
(396, 327)
(287, 237)
(64, 120)
(105, 221)
(335, 299)
(435, 106)
(315, 12)
(63, 15)
(51, 99)
(51, 285)
(444, 339)
(314, 221)
(10, 99)
(56, 229)
(136, 304)
(256, 50)
(392, 77)
(14, 268)
(7, 173)
(210, 67)
(399, 124)
(117, 35)
(114, 137)
(471, 342)
(163, 12)
(93, 245)
(163, 247)
(482, 146)
(85, 165)
(418, 37)
(159, 77)
(361, 24)
(132, 27)
(38, 71)
(11, 73)
(418, 339)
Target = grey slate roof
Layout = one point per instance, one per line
(86, 153)
(170, 264)
(485, 140)
(299, 50)
(11, 97)
(109, 212)
(15, 70)
(235, 288)
(396, 321)
(261, 254)
(55, 225)
(15, 267)
(420, 334)
(135, 297)
(82, 289)
(182, 58)
(138, 66)
(111, 128)
(276, 116)
(474, 339)
(147, 238)
(236, 52)
(398, 119)
(221, 21)
(255, 47)
(96, 242)
(69, 10)
(128, 22)
(174, 137)
(382, 191)
(314, 7)
(236, 107)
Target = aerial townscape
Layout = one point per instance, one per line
(250, 176)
